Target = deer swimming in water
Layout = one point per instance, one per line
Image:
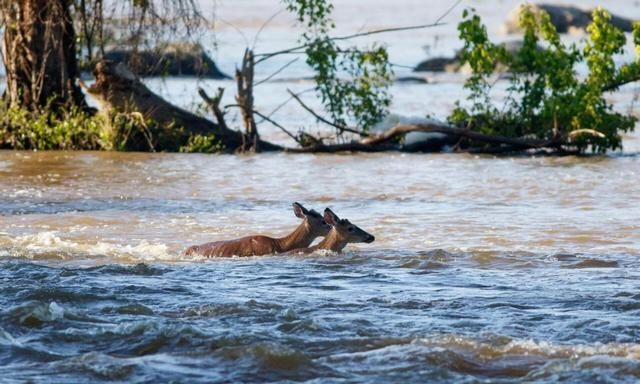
(342, 233)
(313, 225)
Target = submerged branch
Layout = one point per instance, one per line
(385, 141)
(354, 146)
(403, 129)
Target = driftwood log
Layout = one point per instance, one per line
(118, 89)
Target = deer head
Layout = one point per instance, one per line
(314, 221)
(346, 231)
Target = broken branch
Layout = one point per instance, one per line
(214, 104)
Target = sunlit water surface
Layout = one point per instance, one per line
(511, 269)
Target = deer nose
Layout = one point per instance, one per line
(370, 239)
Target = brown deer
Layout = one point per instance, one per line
(342, 233)
(312, 226)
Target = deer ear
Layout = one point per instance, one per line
(299, 210)
(330, 217)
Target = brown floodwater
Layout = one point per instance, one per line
(507, 269)
(92, 202)
(484, 269)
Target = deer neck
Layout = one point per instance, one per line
(301, 237)
(333, 241)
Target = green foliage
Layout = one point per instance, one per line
(74, 129)
(202, 143)
(130, 131)
(547, 99)
(352, 83)
(70, 129)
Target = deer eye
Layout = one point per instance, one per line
(350, 229)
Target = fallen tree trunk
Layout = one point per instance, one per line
(403, 129)
(354, 146)
(118, 89)
(388, 141)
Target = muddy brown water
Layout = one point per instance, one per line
(504, 269)
(510, 269)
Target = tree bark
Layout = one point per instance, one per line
(244, 98)
(39, 54)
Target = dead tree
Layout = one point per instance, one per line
(244, 98)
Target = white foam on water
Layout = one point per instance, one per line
(100, 364)
(491, 350)
(7, 339)
(50, 245)
(324, 252)
(44, 311)
(56, 311)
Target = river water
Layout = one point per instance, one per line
(484, 269)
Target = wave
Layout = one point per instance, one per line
(98, 365)
(33, 314)
(49, 246)
(496, 347)
(7, 340)
(493, 356)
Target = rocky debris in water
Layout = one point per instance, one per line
(565, 18)
(169, 60)
(412, 80)
(418, 141)
(440, 64)
(454, 64)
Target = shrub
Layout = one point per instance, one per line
(547, 99)
(202, 143)
(71, 128)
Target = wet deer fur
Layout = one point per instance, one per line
(312, 226)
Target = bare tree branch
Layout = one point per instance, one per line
(322, 119)
(263, 26)
(437, 23)
(276, 72)
(297, 49)
(291, 135)
(268, 119)
(214, 104)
